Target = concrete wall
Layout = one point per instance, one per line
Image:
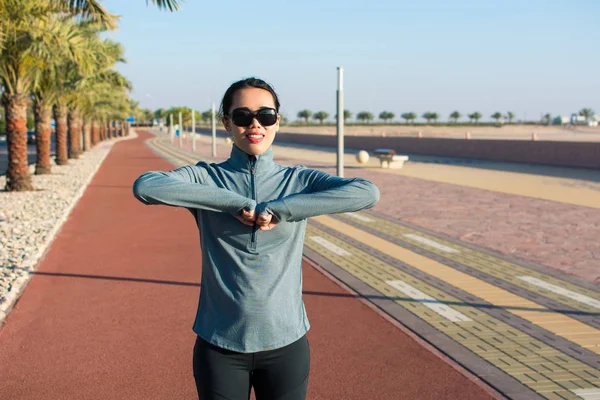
(570, 154)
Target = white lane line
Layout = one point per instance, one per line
(562, 291)
(360, 217)
(428, 301)
(330, 246)
(431, 243)
(588, 394)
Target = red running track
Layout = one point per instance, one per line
(108, 314)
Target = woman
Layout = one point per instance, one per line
(251, 212)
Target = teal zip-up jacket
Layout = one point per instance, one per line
(251, 288)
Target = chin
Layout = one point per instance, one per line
(256, 151)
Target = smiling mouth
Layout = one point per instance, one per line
(255, 138)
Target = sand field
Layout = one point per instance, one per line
(516, 132)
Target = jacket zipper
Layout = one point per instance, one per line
(253, 184)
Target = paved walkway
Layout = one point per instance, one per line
(109, 311)
(529, 330)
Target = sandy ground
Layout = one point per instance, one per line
(523, 132)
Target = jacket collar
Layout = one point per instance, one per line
(242, 162)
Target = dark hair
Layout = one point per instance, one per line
(243, 84)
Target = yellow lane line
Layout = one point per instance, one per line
(561, 325)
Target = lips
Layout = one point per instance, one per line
(255, 137)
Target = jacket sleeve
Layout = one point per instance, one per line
(322, 194)
(188, 187)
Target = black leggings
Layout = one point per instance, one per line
(280, 374)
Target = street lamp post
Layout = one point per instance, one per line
(340, 123)
(214, 131)
(180, 129)
(193, 130)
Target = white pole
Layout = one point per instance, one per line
(340, 123)
(214, 131)
(180, 129)
(171, 131)
(193, 130)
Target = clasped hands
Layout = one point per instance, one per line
(264, 221)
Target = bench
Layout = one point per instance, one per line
(389, 159)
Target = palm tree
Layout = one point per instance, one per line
(588, 113)
(497, 116)
(305, 114)
(547, 118)
(24, 46)
(510, 116)
(47, 88)
(386, 115)
(475, 116)
(430, 116)
(409, 117)
(93, 10)
(347, 115)
(28, 44)
(206, 116)
(321, 116)
(364, 116)
(103, 95)
(79, 75)
(455, 116)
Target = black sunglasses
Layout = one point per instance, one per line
(244, 117)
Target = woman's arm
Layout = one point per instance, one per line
(324, 194)
(188, 187)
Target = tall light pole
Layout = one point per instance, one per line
(180, 129)
(193, 130)
(340, 123)
(171, 131)
(214, 131)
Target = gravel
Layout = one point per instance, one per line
(29, 221)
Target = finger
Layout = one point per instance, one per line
(248, 215)
(263, 219)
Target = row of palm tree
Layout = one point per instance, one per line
(53, 59)
(409, 117)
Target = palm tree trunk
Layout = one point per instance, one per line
(95, 133)
(87, 135)
(80, 137)
(60, 118)
(17, 176)
(74, 132)
(43, 115)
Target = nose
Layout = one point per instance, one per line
(254, 123)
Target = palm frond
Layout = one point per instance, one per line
(171, 5)
(91, 9)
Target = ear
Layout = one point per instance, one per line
(227, 124)
(277, 123)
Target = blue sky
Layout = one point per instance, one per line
(525, 56)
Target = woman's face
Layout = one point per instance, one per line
(254, 138)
